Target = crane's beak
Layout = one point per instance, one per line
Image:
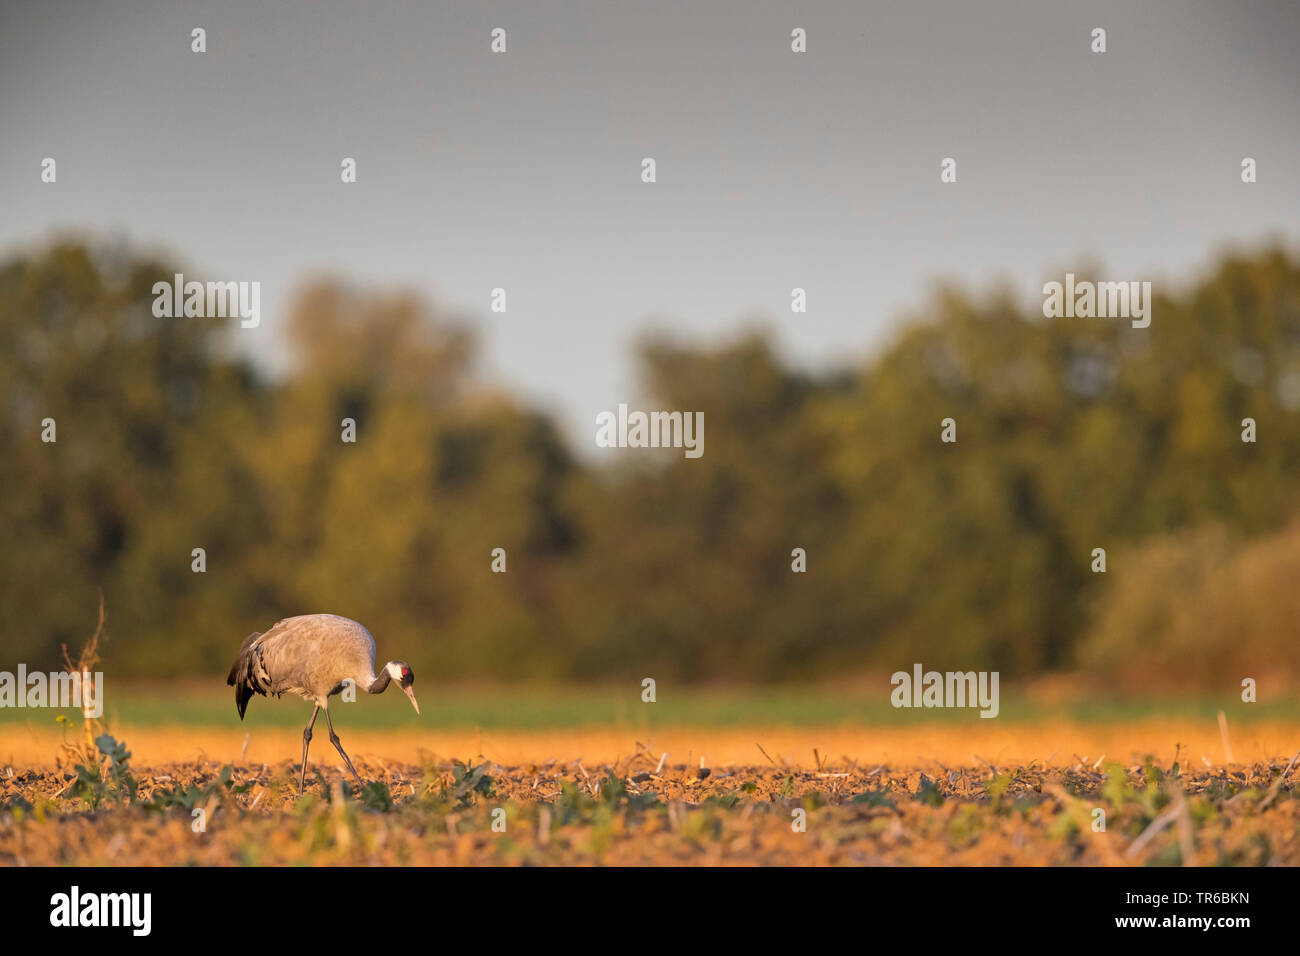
(411, 694)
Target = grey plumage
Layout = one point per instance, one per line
(313, 656)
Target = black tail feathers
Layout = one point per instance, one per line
(242, 675)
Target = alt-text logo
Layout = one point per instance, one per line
(651, 430)
(950, 689)
(213, 300)
(74, 908)
(57, 689)
(1102, 300)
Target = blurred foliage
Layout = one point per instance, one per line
(1072, 435)
(1201, 603)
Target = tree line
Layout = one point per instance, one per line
(1072, 435)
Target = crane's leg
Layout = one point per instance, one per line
(334, 739)
(306, 739)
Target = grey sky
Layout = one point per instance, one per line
(775, 170)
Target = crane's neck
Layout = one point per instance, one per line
(379, 684)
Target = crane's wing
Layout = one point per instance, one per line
(309, 655)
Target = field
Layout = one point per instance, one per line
(492, 777)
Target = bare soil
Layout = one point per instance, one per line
(635, 810)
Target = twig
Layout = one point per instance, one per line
(1277, 784)
(1223, 731)
(1185, 846)
(1156, 825)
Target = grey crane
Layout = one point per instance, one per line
(313, 656)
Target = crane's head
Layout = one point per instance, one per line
(401, 672)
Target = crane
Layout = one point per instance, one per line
(313, 656)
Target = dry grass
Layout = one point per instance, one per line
(951, 794)
(1058, 743)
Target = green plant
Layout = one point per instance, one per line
(469, 783)
(90, 785)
